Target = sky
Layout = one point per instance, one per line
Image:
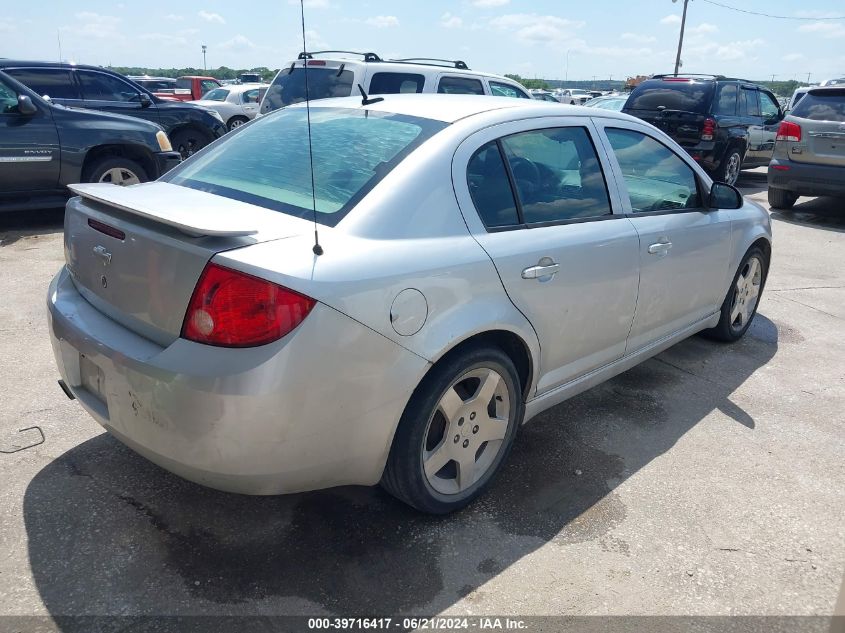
(556, 39)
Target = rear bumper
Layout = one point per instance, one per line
(806, 179)
(165, 161)
(315, 409)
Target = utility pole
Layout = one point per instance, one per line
(59, 38)
(681, 37)
(566, 77)
(808, 78)
(204, 65)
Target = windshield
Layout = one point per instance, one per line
(822, 106)
(288, 88)
(267, 163)
(689, 96)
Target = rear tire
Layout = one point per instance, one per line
(116, 170)
(728, 171)
(456, 431)
(781, 199)
(740, 304)
(188, 141)
(236, 122)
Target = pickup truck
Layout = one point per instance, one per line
(192, 88)
(189, 127)
(44, 147)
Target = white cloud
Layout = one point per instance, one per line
(618, 51)
(729, 51)
(702, 28)
(211, 17)
(6, 26)
(828, 30)
(173, 17)
(237, 43)
(671, 19)
(94, 25)
(792, 57)
(449, 21)
(532, 28)
(383, 21)
(314, 41)
(486, 4)
(641, 39)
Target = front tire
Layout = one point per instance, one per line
(188, 141)
(116, 170)
(456, 431)
(740, 304)
(782, 199)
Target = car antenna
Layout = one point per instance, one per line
(317, 249)
(365, 100)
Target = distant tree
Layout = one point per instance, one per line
(529, 83)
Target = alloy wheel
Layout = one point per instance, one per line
(119, 176)
(746, 293)
(732, 169)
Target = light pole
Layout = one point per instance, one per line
(566, 77)
(204, 65)
(681, 37)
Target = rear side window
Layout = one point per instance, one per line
(396, 83)
(488, 184)
(353, 150)
(323, 83)
(183, 84)
(726, 102)
(822, 106)
(460, 86)
(498, 89)
(101, 87)
(56, 83)
(219, 94)
(250, 96)
(656, 178)
(688, 96)
(748, 104)
(206, 85)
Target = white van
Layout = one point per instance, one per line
(339, 73)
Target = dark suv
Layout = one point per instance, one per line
(725, 124)
(45, 147)
(190, 127)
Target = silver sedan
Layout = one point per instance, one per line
(236, 104)
(480, 260)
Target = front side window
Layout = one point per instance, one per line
(748, 104)
(101, 87)
(657, 179)
(323, 83)
(499, 89)
(768, 107)
(726, 103)
(556, 174)
(460, 86)
(55, 83)
(268, 164)
(396, 83)
(490, 189)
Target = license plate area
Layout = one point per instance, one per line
(92, 378)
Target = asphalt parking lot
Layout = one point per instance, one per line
(708, 481)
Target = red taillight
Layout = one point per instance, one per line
(316, 62)
(789, 131)
(708, 129)
(232, 309)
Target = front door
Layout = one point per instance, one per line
(101, 91)
(536, 198)
(29, 147)
(684, 247)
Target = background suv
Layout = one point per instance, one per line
(809, 156)
(338, 74)
(190, 127)
(725, 124)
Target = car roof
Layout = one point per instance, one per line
(41, 64)
(451, 108)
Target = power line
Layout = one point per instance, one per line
(769, 15)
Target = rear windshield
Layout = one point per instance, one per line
(822, 106)
(689, 96)
(288, 88)
(267, 163)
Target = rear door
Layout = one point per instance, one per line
(821, 115)
(536, 198)
(683, 247)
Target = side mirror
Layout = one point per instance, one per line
(145, 100)
(724, 196)
(26, 106)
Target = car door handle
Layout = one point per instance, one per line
(535, 272)
(660, 248)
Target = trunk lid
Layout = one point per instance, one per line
(136, 253)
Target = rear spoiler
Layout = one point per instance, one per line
(177, 207)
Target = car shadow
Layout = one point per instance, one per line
(752, 182)
(109, 532)
(821, 213)
(16, 225)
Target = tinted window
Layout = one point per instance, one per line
(768, 106)
(207, 84)
(396, 83)
(460, 86)
(267, 163)
(748, 105)
(56, 83)
(288, 88)
(154, 85)
(726, 103)
(689, 96)
(557, 174)
(506, 90)
(822, 106)
(8, 99)
(656, 178)
(490, 189)
(101, 87)
(250, 96)
(219, 94)
(183, 84)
